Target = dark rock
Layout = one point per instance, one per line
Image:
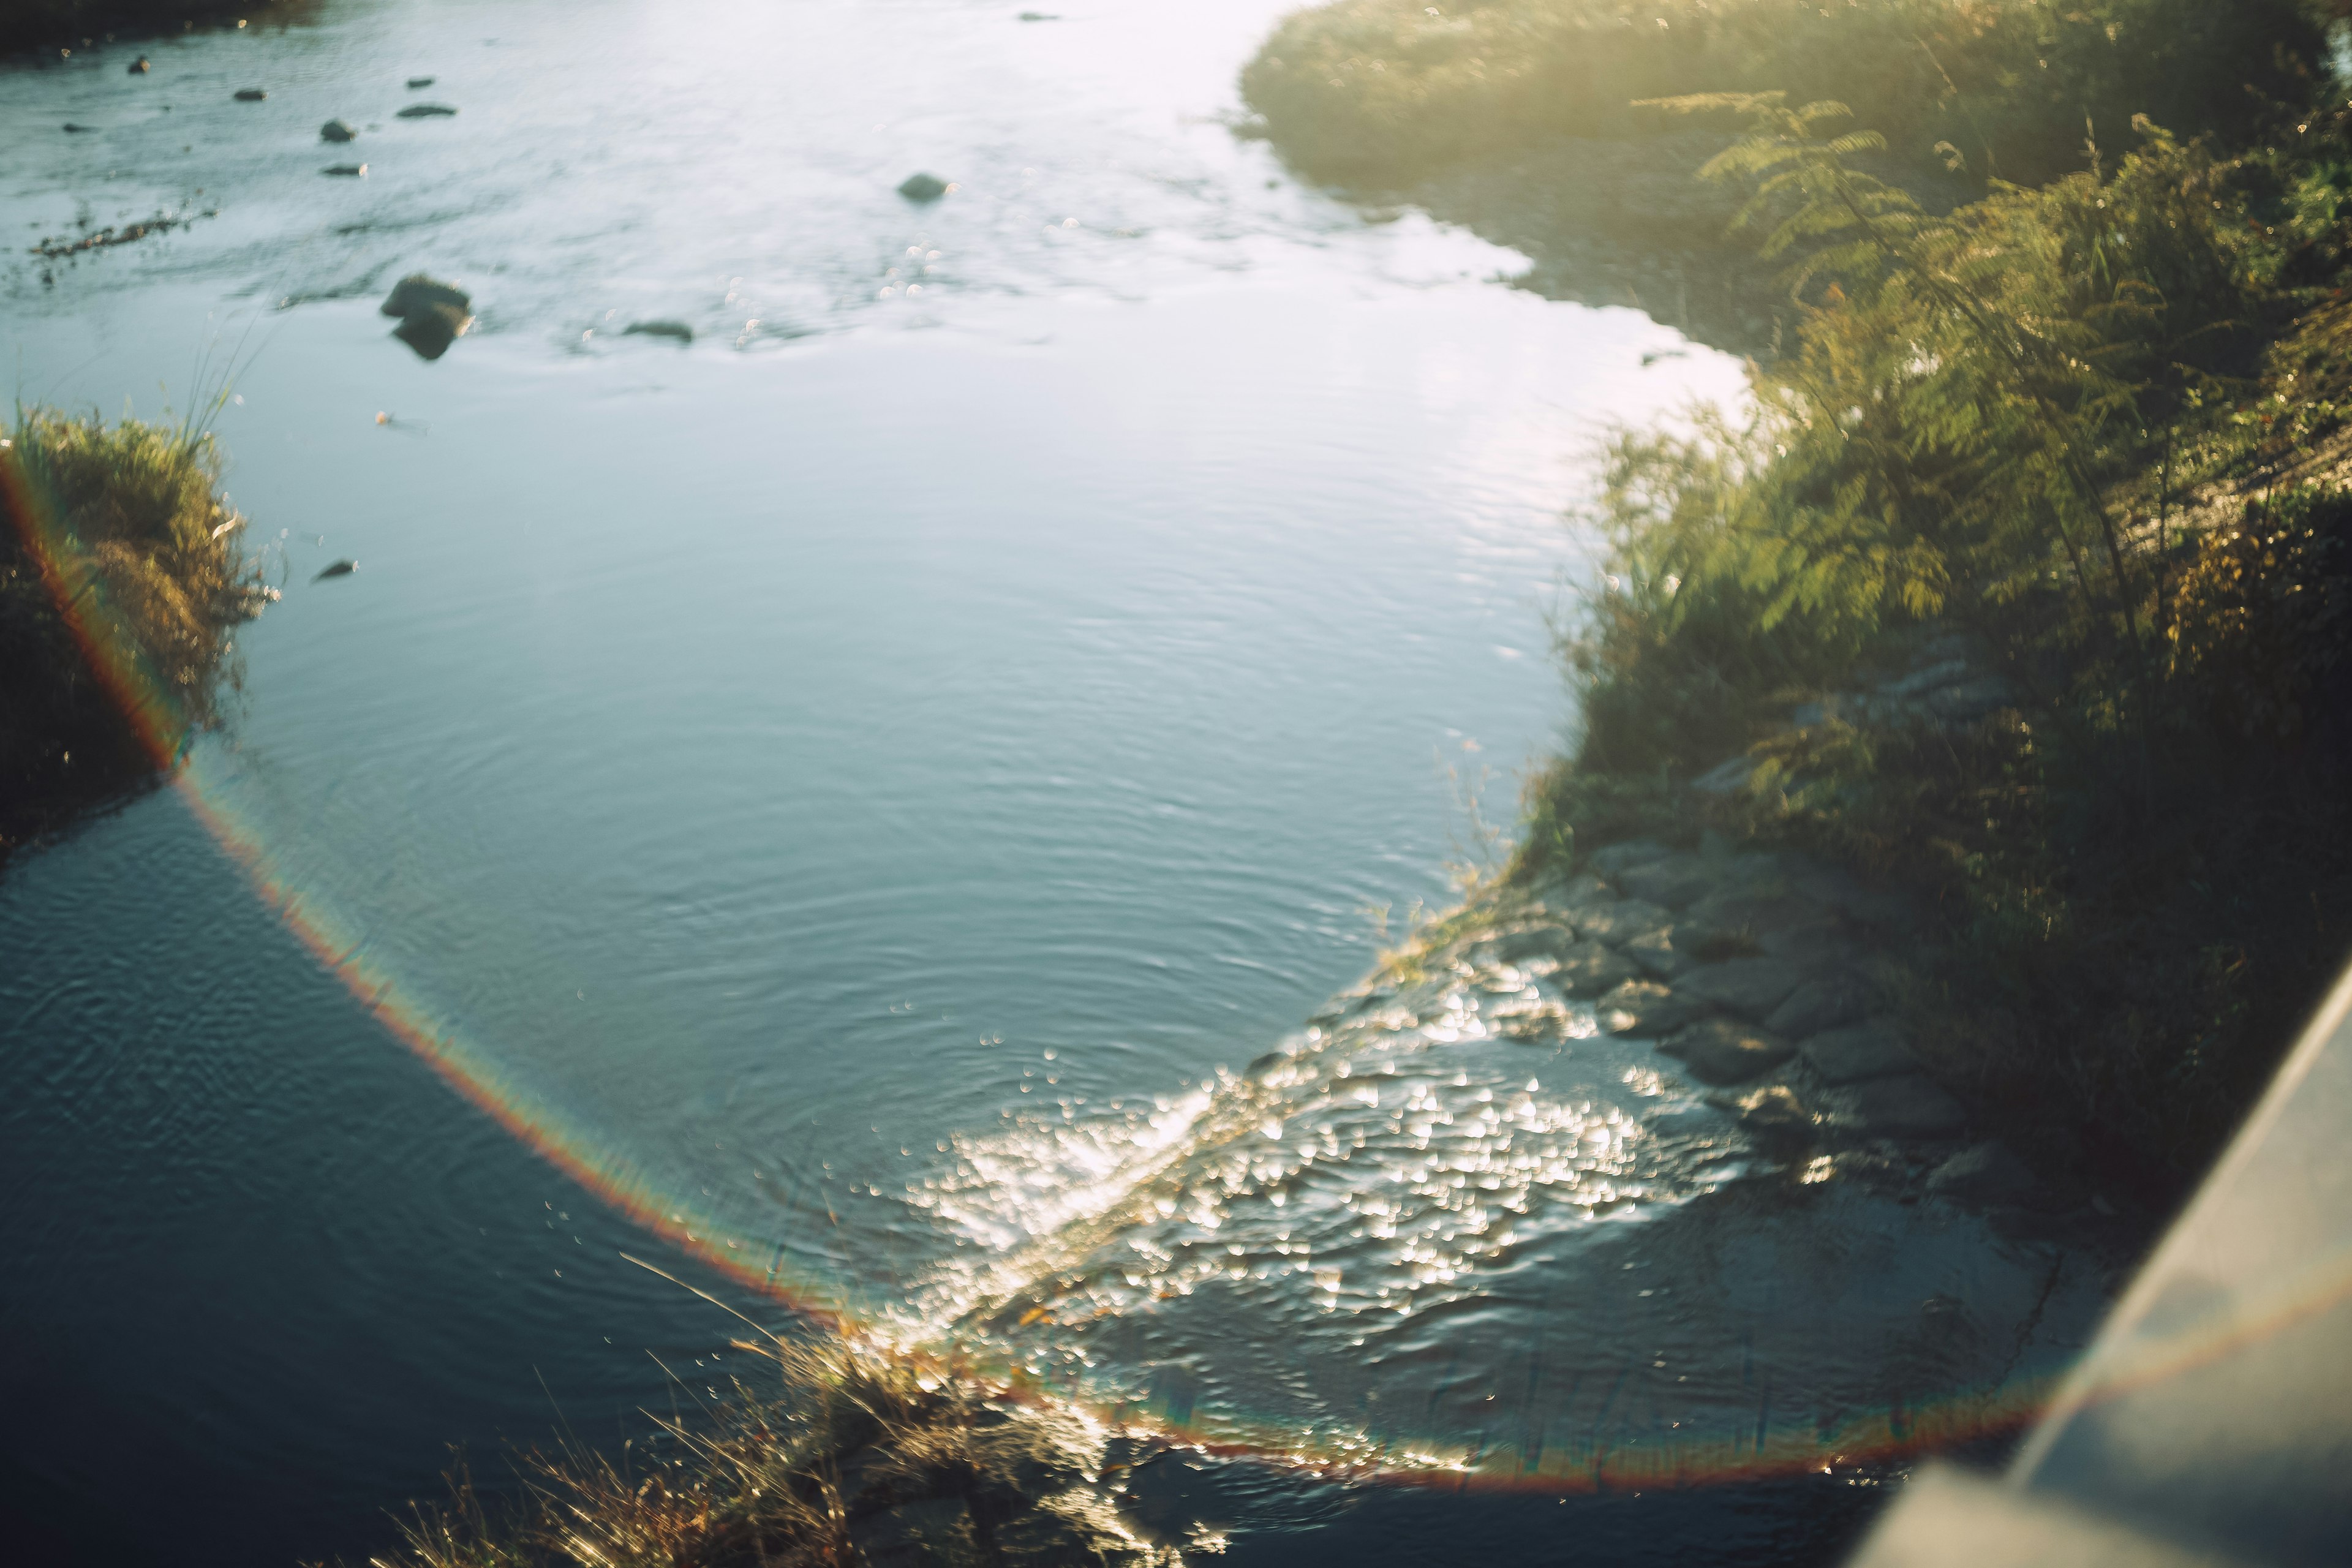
(1646, 1007)
(1724, 1051)
(1752, 987)
(1673, 880)
(249, 95)
(426, 111)
(1655, 951)
(71, 129)
(336, 569)
(1773, 1112)
(1829, 1003)
(432, 314)
(1618, 858)
(1904, 1107)
(677, 330)
(339, 130)
(922, 188)
(351, 170)
(1590, 968)
(1874, 1048)
(140, 66)
(1622, 920)
(1988, 1174)
(418, 83)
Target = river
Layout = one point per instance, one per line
(825, 797)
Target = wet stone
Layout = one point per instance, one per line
(1753, 987)
(1646, 1007)
(1829, 1003)
(249, 94)
(1724, 1051)
(663, 329)
(1591, 968)
(1773, 1112)
(427, 111)
(1904, 1107)
(338, 131)
(922, 188)
(1856, 1052)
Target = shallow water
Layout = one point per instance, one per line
(842, 790)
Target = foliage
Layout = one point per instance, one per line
(133, 532)
(1989, 429)
(1381, 92)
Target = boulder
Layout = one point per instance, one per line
(1829, 1003)
(432, 314)
(1988, 1174)
(1773, 1113)
(1623, 920)
(1591, 969)
(1655, 952)
(1673, 880)
(1858, 1052)
(1618, 858)
(1646, 1007)
(339, 130)
(1724, 1051)
(1752, 987)
(1904, 1107)
(426, 111)
(249, 94)
(922, 188)
(665, 328)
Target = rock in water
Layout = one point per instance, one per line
(1722, 1051)
(677, 330)
(922, 188)
(425, 110)
(250, 95)
(139, 67)
(348, 169)
(338, 131)
(418, 83)
(336, 569)
(432, 314)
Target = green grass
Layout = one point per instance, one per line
(125, 524)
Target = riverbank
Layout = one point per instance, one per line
(44, 25)
(123, 577)
(2027, 589)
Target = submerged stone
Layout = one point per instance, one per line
(417, 83)
(338, 131)
(336, 569)
(677, 330)
(922, 188)
(426, 111)
(249, 94)
(140, 66)
(351, 170)
(1724, 1051)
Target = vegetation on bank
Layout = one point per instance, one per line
(838, 1457)
(2099, 432)
(31, 24)
(122, 579)
(1379, 93)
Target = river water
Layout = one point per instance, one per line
(837, 800)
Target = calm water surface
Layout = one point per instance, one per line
(850, 783)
